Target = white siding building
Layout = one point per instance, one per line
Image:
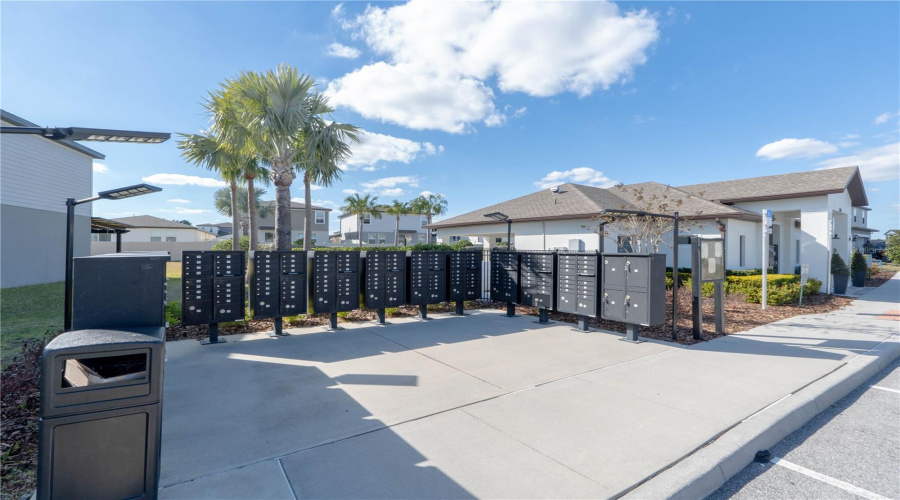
(381, 231)
(813, 219)
(150, 229)
(36, 178)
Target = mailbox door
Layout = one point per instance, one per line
(566, 303)
(196, 312)
(293, 295)
(638, 271)
(375, 299)
(228, 312)
(614, 271)
(613, 305)
(637, 308)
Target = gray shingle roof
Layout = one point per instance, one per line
(296, 205)
(691, 205)
(795, 185)
(151, 221)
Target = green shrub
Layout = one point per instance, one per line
(244, 243)
(173, 313)
(461, 245)
(838, 266)
(857, 262)
(392, 311)
(343, 314)
(744, 272)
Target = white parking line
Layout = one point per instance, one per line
(825, 479)
(884, 388)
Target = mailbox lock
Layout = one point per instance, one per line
(628, 297)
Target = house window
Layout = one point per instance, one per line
(373, 237)
(101, 237)
(156, 235)
(367, 219)
(170, 235)
(423, 238)
(624, 243)
(497, 241)
(454, 239)
(268, 237)
(743, 245)
(382, 238)
(424, 221)
(320, 217)
(480, 239)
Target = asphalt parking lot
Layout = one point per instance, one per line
(851, 450)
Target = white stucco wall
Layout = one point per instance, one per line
(181, 235)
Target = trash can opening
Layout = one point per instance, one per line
(104, 370)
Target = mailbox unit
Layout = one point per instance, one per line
(504, 276)
(634, 288)
(578, 282)
(120, 291)
(278, 284)
(335, 281)
(538, 279)
(465, 276)
(212, 286)
(385, 279)
(427, 277)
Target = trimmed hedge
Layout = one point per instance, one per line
(781, 288)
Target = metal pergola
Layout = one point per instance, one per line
(99, 225)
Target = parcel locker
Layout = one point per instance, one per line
(212, 286)
(634, 288)
(578, 282)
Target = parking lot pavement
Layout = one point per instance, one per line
(850, 450)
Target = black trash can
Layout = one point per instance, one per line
(101, 416)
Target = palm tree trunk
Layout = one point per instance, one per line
(308, 219)
(359, 221)
(397, 232)
(235, 219)
(282, 176)
(251, 213)
(428, 219)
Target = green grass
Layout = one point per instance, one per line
(173, 269)
(891, 266)
(27, 312)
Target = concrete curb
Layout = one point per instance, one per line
(706, 470)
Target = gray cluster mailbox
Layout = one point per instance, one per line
(427, 279)
(120, 291)
(385, 281)
(465, 277)
(100, 417)
(504, 276)
(336, 281)
(578, 280)
(212, 287)
(278, 285)
(634, 289)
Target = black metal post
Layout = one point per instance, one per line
(510, 310)
(278, 324)
(720, 306)
(213, 335)
(118, 242)
(380, 320)
(675, 280)
(333, 322)
(70, 254)
(509, 234)
(460, 308)
(631, 333)
(543, 317)
(423, 311)
(584, 323)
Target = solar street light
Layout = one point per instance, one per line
(90, 134)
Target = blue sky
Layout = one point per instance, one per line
(482, 102)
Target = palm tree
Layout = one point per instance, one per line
(397, 209)
(360, 206)
(222, 202)
(275, 115)
(251, 169)
(208, 150)
(433, 204)
(326, 147)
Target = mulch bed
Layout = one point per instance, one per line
(20, 398)
(879, 278)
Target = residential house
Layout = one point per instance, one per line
(266, 225)
(216, 228)
(381, 231)
(150, 229)
(812, 214)
(37, 177)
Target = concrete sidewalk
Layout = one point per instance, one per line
(482, 405)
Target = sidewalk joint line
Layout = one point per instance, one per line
(884, 388)
(856, 490)
(286, 480)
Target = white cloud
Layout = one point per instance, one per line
(343, 51)
(324, 203)
(338, 11)
(880, 163)
(183, 180)
(390, 182)
(795, 148)
(520, 112)
(375, 148)
(392, 192)
(847, 144)
(100, 168)
(580, 175)
(313, 187)
(426, 193)
(884, 117)
(183, 210)
(178, 200)
(438, 57)
(351, 192)
(850, 136)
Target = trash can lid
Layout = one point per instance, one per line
(89, 338)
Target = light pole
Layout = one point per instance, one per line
(501, 217)
(674, 216)
(71, 203)
(99, 135)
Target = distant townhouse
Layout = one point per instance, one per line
(381, 231)
(216, 228)
(150, 229)
(266, 225)
(37, 177)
